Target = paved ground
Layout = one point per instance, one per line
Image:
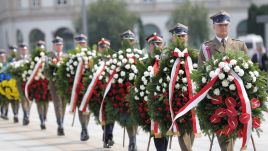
(16, 137)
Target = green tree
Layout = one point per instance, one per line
(109, 18)
(195, 17)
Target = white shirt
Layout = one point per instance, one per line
(225, 39)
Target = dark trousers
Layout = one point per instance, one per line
(42, 108)
(84, 119)
(186, 141)
(15, 107)
(108, 132)
(4, 108)
(226, 144)
(161, 144)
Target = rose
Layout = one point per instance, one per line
(230, 102)
(231, 112)
(255, 103)
(244, 118)
(256, 122)
(216, 100)
(214, 119)
(220, 112)
(232, 122)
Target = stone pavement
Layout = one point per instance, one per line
(15, 137)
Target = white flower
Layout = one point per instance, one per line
(131, 60)
(128, 50)
(124, 61)
(158, 88)
(141, 93)
(222, 64)
(230, 78)
(112, 67)
(226, 68)
(42, 54)
(160, 80)
(241, 72)
(254, 79)
(36, 59)
(237, 68)
(216, 61)
(132, 75)
(68, 75)
(250, 62)
(120, 80)
(208, 68)
(248, 85)
(195, 65)
(211, 74)
(79, 59)
(146, 98)
(30, 71)
(255, 89)
(136, 90)
(163, 90)
(133, 67)
(146, 74)
(171, 61)
(120, 52)
(256, 73)
(181, 72)
(204, 80)
(245, 65)
(182, 62)
(100, 77)
(184, 80)
(225, 58)
(122, 73)
(85, 59)
(127, 66)
(145, 82)
(90, 77)
(232, 87)
(75, 63)
(147, 92)
(221, 76)
(114, 55)
(164, 85)
(116, 76)
(72, 72)
(168, 78)
(121, 57)
(142, 87)
(233, 62)
(150, 68)
(177, 86)
(136, 97)
(225, 83)
(177, 78)
(184, 88)
(135, 71)
(115, 61)
(130, 78)
(36, 78)
(216, 91)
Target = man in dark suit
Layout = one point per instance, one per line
(260, 58)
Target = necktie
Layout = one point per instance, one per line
(223, 42)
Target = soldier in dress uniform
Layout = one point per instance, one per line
(4, 76)
(14, 104)
(128, 41)
(81, 40)
(26, 105)
(156, 42)
(222, 43)
(180, 32)
(41, 44)
(58, 101)
(103, 49)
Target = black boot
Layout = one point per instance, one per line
(26, 120)
(16, 120)
(84, 135)
(60, 131)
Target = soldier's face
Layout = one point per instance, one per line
(58, 47)
(23, 51)
(102, 49)
(182, 38)
(83, 44)
(221, 30)
(131, 42)
(3, 58)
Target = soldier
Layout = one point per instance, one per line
(81, 40)
(41, 44)
(156, 42)
(180, 34)
(58, 101)
(4, 76)
(14, 104)
(128, 41)
(220, 44)
(103, 49)
(26, 105)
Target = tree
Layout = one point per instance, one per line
(109, 19)
(195, 17)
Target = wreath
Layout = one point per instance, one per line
(223, 110)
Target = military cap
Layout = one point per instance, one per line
(81, 38)
(40, 43)
(128, 35)
(2, 52)
(104, 42)
(221, 17)
(57, 40)
(12, 47)
(23, 45)
(179, 29)
(154, 38)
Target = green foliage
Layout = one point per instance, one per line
(195, 17)
(109, 19)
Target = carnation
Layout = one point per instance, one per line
(248, 85)
(158, 88)
(181, 72)
(232, 87)
(233, 62)
(131, 60)
(165, 69)
(116, 76)
(124, 61)
(142, 87)
(256, 73)
(225, 83)
(230, 78)
(237, 68)
(204, 80)
(146, 98)
(150, 68)
(255, 89)
(221, 76)
(128, 50)
(216, 92)
(127, 66)
(212, 74)
(226, 69)
(245, 65)
(221, 64)
(136, 97)
(241, 72)
(184, 88)
(75, 63)
(142, 94)
(119, 64)
(208, 68)
(160, 80)
(121, 57)
(122, 73)
(184, 80)
(177, 86)
(171, 61)
(120, 80)
(146, 74)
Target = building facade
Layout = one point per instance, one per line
(32, 20)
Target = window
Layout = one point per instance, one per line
(35, 36)
(35, 3)
(61, 2)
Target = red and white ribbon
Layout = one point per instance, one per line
(206, 51)
(107, 88)
(246, 107)
(77, 79)
(37, 66)
(86, 99)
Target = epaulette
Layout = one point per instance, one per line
(207, 41)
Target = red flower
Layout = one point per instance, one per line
(227, 130)
(231, 111)
(244, 118)
(121, 91)
(159, 109)
(256, 122)
(217, 100)
(230, 102)
(214, 119)
(255, 103)
(115, 105)
(120, 85)
(240, 133)
(220, 112)
(219, 132)
(164, 94)
(113, 86)
(120, 110)
(232, 122)
(128, 84)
